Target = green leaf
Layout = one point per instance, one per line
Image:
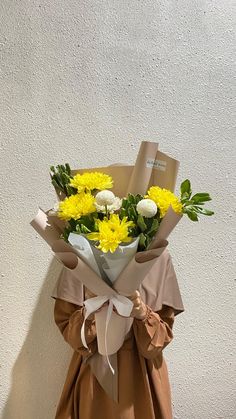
(78, 230)
(124, 203)
(141, 223)
(72, 224)
(122, 213)
(55, 184)
(65, 178)
(142, 241)
(154, 227)
(138, 198)
(68, 169)
(192, 215)
(84, 229)
(185, 187)
(131, 198)
(204, 211)
(132, 213)
(148, 241)
(184, 197)
(201, 197)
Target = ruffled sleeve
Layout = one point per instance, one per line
(69, 318)
(154, 332)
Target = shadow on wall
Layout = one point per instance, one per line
(40, 370)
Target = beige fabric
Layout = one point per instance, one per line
(143, 382)
(158, 289)
(152, 167)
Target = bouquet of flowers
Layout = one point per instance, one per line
(109, 228)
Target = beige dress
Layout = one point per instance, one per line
(142, 381)
(144, 389)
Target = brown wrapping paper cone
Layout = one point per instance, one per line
(152, 167)
(134, 273)
(76, 267)
(45, 225)
(167, 225)
(143, 169)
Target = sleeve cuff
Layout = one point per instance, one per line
(147, 315)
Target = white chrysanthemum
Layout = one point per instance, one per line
(105, 197)
(53, 211)
(147, 208)
(110, 208)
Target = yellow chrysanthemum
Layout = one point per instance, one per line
(163, 199)
(111, 232)
(91, 180)
(75, 206)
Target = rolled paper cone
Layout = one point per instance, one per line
(60, 224)
(61, 246)
(134, 273)
(165, 170)
(146, 255)
(85, 274)
(118, 327)
(152, 167)
(45, 226)
(143, 168)
(167, 225)
(68, 259)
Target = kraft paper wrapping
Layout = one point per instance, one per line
(167, 225)
(76, 273)
(142, 173)
(152, 167)
(150, 271)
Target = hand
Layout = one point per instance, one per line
(139, 309)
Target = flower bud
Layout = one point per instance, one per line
(105, 197)
(147, 208)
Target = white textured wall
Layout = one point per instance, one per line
(86, 81)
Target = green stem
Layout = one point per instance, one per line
(106, 211)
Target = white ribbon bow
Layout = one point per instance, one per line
(123, 306)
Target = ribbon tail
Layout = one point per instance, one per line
(108, 318)
(83, 330)
(91, 305)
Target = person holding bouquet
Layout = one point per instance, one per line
(117, 295)
(143, 385)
